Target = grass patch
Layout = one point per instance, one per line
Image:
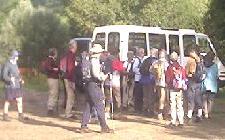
(36, 83)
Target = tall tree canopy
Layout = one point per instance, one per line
(33, 29)
(215, 25)
(84, 15)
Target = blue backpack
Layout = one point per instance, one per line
(147, 77)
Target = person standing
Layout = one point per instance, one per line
(52, 71)
(118, 69)
(160, 68)
(175, 79)
(138, 89)
(67, 67)
(210, 84)
(13, 85)
(195, 73)
(148, 82)
(128, 81)
(95, 96)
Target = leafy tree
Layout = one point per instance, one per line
(33, 31)
(5, 7)
(215, 26)
(174, 13)
(84, 15)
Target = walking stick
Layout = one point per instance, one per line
(111, 96)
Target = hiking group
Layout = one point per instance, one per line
(154, 86)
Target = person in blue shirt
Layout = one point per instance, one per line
(210, 84)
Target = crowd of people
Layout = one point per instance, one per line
(154, 86)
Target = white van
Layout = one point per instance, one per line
(131, 37)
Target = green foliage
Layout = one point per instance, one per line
(33, 30)
(174, 13)
(5, 7)
(215, 26)
(40, 31)
(36, 83)
(84, 15)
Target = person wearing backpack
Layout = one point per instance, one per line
(118, 69)
(13, 84)
(138, 89)
(148, 82)
(128, 81)
(210, 84)
(176, 83)
(52, 71)
(196, 73)
(95, 96)
(159, 68)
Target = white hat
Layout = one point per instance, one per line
(97, 48)
(174, 56)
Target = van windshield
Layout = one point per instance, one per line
(137, 40)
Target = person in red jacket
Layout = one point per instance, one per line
(117, 67)
(67, 67)
(176, 83)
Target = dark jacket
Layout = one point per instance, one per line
(50, 64)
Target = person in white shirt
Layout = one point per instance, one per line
(128, 81)
(138, 89)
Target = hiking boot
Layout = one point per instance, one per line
(50, 113)
(160, 117)
(21, 117)
(198, 119)
(85, 129)
(171, 126)
(6, 117)
(107, 130)
(188, 121)
(181, 125)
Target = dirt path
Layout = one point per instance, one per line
(41, 127)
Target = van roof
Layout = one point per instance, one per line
(82, 38)
(131, 28)
(144, 29)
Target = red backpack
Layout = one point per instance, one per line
(117, 65)
(176, 77)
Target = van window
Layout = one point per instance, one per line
(113, 41)
(174, 44)
(137, 40)
(157, 41)
(189, 42)
(82, 45)
(100, 39)
(203, 45)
